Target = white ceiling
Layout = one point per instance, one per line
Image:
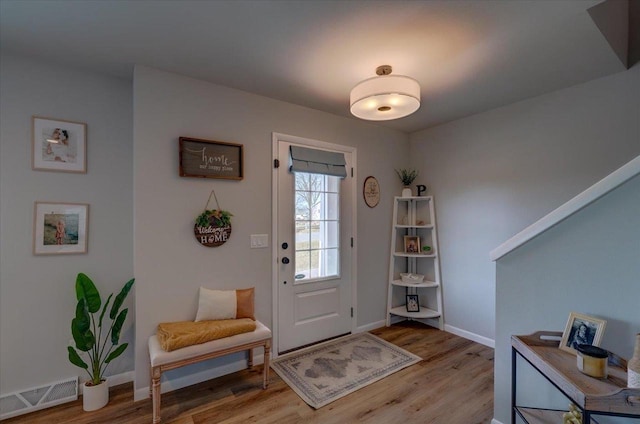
(468, 55)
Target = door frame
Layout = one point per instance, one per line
(277, 137)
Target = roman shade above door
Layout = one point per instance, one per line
(314, 161)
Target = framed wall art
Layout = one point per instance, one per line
(371, 191)
(60, 228)
(582, 329)
(210, 159)
(59, 145)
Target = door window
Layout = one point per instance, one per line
(317, 227)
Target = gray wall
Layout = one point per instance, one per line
(170, 265)
(588, 264)
(495, 173)
(37, 297)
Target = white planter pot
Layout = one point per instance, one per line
(95, 397)
(406, 192)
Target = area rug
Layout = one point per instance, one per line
(328, 371)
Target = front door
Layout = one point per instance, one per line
(314, 252)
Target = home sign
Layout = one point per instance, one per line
(210, 159)
(212, 236)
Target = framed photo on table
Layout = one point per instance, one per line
(59, 145)
(60, 228)
(582, 329)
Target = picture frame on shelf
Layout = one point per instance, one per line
(413, 303)
(582, 329)
(411, 244)
(58, 145)
(60, 228)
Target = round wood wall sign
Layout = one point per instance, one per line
(212, 236)
(213, 228)
(371, 192)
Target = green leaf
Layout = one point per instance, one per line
(81, 327)
(104, 309)
(82, 316)
(113, 355)
(87, 290)
(75, 359)
(117, 302)
(84, 339)
(117, 326)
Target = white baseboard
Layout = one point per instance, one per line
(470, 336)
(371, 326)
(494, 421)
(199, 377)
(434, 323)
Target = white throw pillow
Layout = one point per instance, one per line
(216, 304)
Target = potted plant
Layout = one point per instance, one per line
(100, 343)
(407, 176)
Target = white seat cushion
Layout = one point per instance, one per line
(160, 357)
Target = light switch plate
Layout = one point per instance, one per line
(259, 241)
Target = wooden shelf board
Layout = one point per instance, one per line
(424, 312)
(425, 283)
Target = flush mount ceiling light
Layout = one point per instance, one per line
(385, 97)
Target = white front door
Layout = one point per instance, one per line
(314, 251)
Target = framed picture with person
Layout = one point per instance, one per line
(413, 303)
(60, 228)
(59, 145)
(582, 329)
(411, 244)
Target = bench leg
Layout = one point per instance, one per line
(250, 360)
(155, 393)
(267, 354)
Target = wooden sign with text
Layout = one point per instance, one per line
(210, 159)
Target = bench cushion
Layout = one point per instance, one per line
(160, 356)
(176, 335)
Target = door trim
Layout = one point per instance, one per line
(277, 137)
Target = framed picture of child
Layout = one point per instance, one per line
(60, 228)
(59, 145)
(411, 244)
(582, 329)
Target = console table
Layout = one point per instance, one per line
(593, 396)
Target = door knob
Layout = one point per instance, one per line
(285, 260)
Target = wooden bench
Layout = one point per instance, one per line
(162, 360)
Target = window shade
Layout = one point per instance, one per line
(317, 161)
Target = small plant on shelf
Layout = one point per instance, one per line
(407, 176)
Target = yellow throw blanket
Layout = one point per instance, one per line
(176, 335)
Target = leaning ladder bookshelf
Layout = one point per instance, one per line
(413, 220)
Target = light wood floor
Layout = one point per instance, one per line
(452, 385)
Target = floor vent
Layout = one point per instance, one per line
(30, 400)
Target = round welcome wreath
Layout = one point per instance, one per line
(213, 227)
